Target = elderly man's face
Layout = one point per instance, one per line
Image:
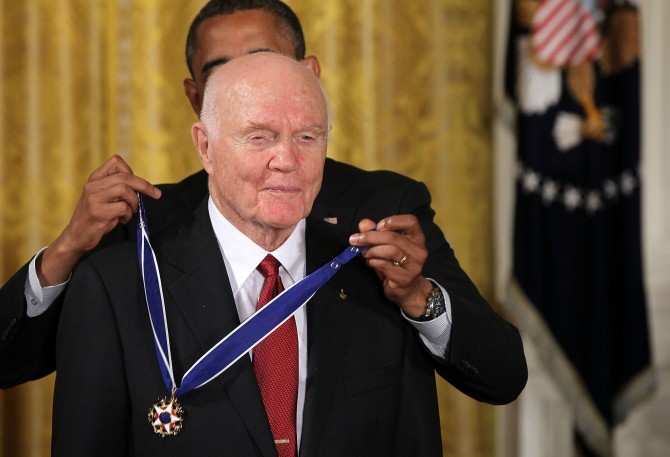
(265, 136)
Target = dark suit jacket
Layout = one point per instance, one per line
(370, 384)
(349, 194)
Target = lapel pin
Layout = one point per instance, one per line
(343, 294)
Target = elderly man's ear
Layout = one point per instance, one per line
(313, 64)
(201, 142)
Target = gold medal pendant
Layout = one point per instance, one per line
(166, 416)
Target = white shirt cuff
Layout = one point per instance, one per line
(38, 298)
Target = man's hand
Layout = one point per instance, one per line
(109, 197)
(397, 252)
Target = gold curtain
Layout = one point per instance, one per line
(410, 87)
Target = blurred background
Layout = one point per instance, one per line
(419, 88)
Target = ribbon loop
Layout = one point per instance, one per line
(243, 338)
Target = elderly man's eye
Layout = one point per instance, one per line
(307, 138)
(259, 138)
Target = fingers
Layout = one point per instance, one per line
(394, 238)
(116, 171)
(396, 250)
(397, 253)
(406, 224)
(109, 197)
(123, 185)
(113, 197)
(366, 225)
(113, 165)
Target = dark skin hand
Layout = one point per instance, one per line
(396, 238)
(109, 198)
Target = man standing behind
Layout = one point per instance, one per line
(365, 383)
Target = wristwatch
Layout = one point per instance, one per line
(435, 305)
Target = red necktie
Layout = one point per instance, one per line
(276, 366)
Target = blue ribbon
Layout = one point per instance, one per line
(238, 342)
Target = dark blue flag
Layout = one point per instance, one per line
(574, 74)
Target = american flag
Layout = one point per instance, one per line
(564, 33)
(578, 289)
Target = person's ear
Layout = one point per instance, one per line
(201, 142)
(313, 64)
(191, 90)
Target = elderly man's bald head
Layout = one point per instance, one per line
(262, 139)
(240, 77)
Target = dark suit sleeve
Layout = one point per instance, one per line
(90, 397)
(26, 344)
(484, 358)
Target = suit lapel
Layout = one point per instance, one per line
(199, 268)
(201, 290)
(329, 314)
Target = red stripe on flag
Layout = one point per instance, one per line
(575, 43)
(556, 20)
(564, 32)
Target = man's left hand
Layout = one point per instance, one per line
(397, 252)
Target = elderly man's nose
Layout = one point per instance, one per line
(285, 157)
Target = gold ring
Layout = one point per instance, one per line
(401, 262)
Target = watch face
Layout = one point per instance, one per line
(439, 307)
(435, 304)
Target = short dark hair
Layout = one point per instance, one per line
(282, 13)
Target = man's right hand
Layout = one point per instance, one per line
(109, 198)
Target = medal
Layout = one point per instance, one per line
(166, 416)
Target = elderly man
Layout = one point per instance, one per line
(363, 384)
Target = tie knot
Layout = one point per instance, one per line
(269, 266)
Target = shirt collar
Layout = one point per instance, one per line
(242, 256)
